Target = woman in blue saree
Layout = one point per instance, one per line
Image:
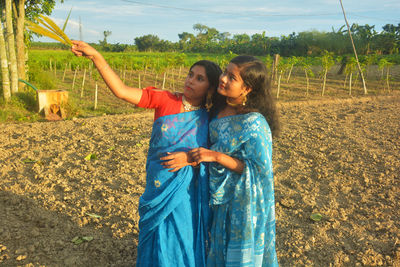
(241, 178)
(174, 209)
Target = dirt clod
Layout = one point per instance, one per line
(339, 158)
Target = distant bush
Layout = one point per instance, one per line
(43, 80)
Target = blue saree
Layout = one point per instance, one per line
(243, 224)
(173, 209)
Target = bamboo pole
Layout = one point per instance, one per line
(65, 71)
(163, 83)
(307, 82)
(279, 84)
(6, 84)
(95, 97)
(10, 41)
(83, 82)
(73, 80)
(55, 68)
(354, 49)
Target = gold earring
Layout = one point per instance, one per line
(209, 102)
(244, 100)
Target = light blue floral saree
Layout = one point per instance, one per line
(173, 210)
(243, 224)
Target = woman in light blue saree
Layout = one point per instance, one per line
(174, 209)
(241, 178)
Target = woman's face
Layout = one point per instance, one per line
(196, 85)
(231, 84)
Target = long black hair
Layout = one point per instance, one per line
(255, 76)
(213, 71)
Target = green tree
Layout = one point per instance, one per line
(351, 66)
(292, 61)
(383, 63)
(327, 62)
(307, 71)
(147, 42)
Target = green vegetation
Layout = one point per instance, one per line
(298, 78)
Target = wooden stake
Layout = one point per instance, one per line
(163, 83)
(354, 49)
(73, 80)
(55, 68)
(83, 82)
(95, 97)
(65, 70)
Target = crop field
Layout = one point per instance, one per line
(59, 69)
(69, 190)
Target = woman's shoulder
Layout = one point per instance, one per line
(156, 91)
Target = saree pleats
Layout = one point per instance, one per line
(174, 207)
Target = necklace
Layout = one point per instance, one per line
(231, 104)
(236, 104)
(187, 106)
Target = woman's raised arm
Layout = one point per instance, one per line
(119, 89)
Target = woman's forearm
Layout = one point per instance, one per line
(118, 88)
(229, 162)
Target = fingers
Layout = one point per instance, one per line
(175, 169)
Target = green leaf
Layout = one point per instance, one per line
(77, 240)
(93, 215)
(66, 21)
(316, 217)
(90, 157)
(111, 148)
(28, 160)
(87, 238)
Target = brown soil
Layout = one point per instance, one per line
(339, 158)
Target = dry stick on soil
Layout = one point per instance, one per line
(163, 83)
(139, 85)
(279, 83)
(83, 82)
(55, 68)
(65, 70)
(275, 63)
(351, 75)
(354, 48)
(156, 80)
(144, 74)
(95, 97)
(50, 65)
(90, 70)
(173, 80)
(73, 80)
(305, 71)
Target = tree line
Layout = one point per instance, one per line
(307, 43)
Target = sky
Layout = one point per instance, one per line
(128, 19)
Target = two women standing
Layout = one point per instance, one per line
(174, 208)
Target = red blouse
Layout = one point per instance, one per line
(164, 102)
